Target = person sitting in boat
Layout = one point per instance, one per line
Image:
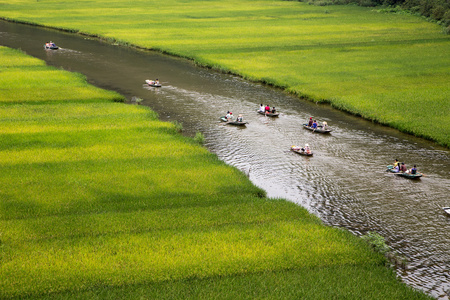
(229, 116)
(402, 168)
(324, 125)
(396, 168)
(413, 170)
(240, 119)
(267, 109)
(314, 124)
(262, 108)
(274, 110)
(157, 81)
(310, 122)
(307, 149)
(396, 162)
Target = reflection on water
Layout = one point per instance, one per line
(344, 183)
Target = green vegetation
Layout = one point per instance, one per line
(199, 138)
(388, 68)
(101, 200)
(48, 85)
(376, 241)
(436, 10)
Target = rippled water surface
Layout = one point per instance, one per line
(344, 183)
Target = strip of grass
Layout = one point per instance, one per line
(302, 283)
(389, 68)
(44, 84)
(100, 200)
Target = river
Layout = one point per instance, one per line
(345, 183)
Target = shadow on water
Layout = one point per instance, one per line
(344, 183)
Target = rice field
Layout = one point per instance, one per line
(388, 68)
(100, 200)
(47, 85)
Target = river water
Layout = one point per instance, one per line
(344, 183)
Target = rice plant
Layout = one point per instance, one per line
(199, 138)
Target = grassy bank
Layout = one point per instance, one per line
(100, 200)
(392, 69)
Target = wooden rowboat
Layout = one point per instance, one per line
(269, 114)
(51, 46)
(293, 149)
(236, 123)
(319, 129)
(152, 83)
(447, 210)
(390, 168)
(410, 176)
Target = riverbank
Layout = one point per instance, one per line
(102, 200)
(391, 69)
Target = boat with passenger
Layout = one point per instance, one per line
(408, 174)
(153, 83)
(238, 122)
(302, 151)
(51, 46)
(318, 129)
(269, 114)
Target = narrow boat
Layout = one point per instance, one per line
(269, 114)
(319, 129)
(299, 151)
(447, 210)
(390, 168)
(236, 123)
(152, 83)
(51, 46)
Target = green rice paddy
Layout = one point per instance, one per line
(100, 200)
(389, 68)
